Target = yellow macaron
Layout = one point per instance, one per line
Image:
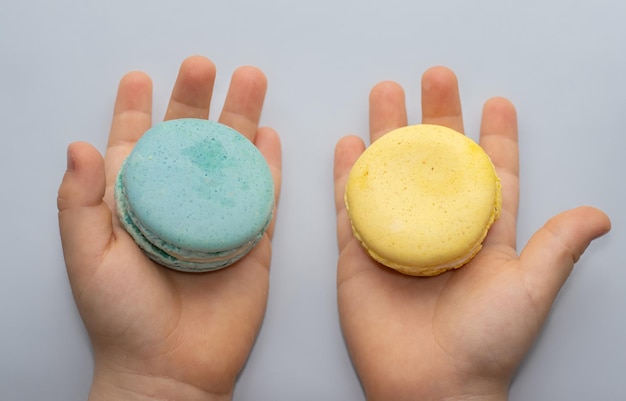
(421, 199)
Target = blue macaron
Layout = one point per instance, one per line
(195, 195)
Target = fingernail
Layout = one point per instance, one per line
(71, 160)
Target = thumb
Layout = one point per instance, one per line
(84, 218)
(549, 256)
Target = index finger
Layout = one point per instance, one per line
(498, 137)
(132, 116)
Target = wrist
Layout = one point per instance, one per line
(129, 386)
(438, 390)
(489, 397)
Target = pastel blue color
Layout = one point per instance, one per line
(195, 195)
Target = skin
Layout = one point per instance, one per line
(161, 334)
(157, 333)
(460, 335)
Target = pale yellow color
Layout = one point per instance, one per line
(421, 199)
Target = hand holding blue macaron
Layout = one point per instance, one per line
(157, 331)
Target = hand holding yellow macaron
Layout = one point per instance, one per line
(463, 333)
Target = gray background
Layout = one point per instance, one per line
(562, 63)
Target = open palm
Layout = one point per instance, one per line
(462, 333)
(156, 331)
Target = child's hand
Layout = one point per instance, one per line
(158, 333)
(460, 335)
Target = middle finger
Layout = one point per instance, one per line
(191, 96)
(441, 103)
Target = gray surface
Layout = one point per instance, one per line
(561, 63)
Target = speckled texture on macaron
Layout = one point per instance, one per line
(195, 195)
(422, 198)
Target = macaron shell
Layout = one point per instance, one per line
(422, 198)
(195, 190)
(154, 247)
